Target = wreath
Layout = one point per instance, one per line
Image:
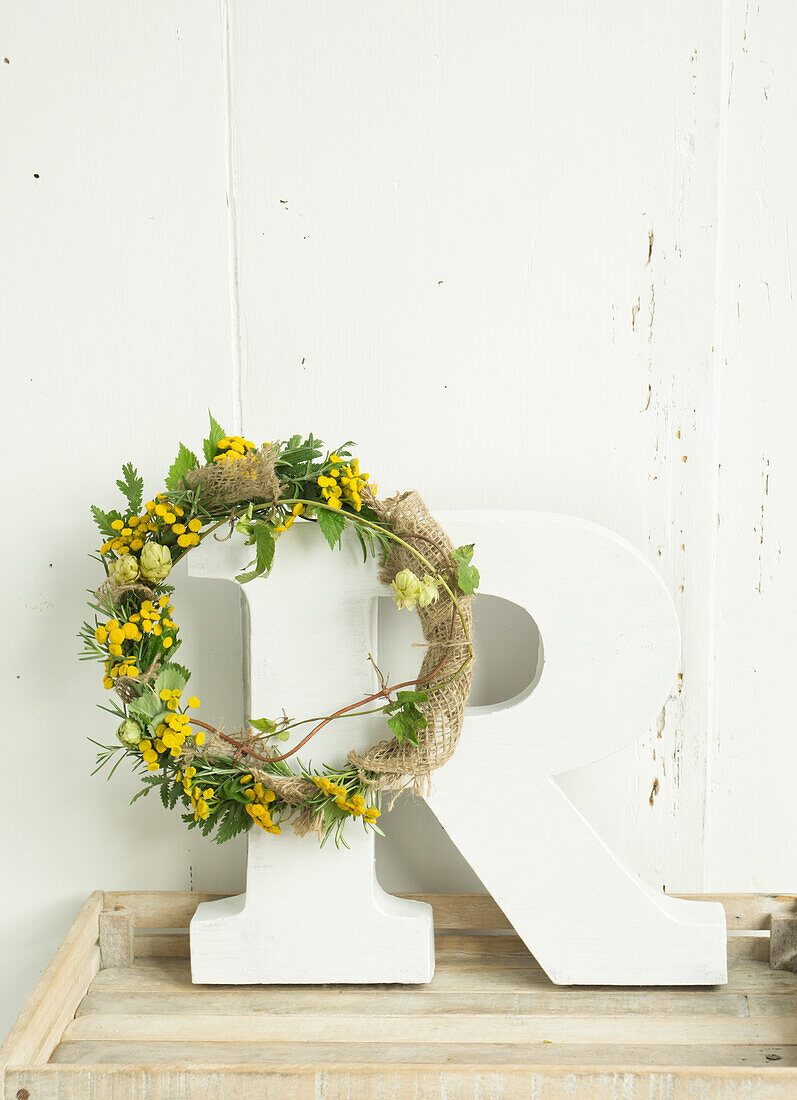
(224, 782)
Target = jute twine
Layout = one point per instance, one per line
(250, 478)
(387, 762)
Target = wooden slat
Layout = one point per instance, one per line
(450, 947)
(750, 912)
(173, 909)
(454, 1081)
(159, 908)
(773, 1004)
(323, 1055)
(434, 1028)
(83, 977)
(395, 1000)
(58, 992)
(173, 976)
(175, 945)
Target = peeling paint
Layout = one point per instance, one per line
(654, 791)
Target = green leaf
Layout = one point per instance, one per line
(232, 820)
(412, 697)
(403, 728)
(264, 541)
(468, 579)
(467, 574)
(216, 433)
(463, 554)
(186, 460)
(407, 719)
(263, 538)
(265, 725)
(145, 707)
(104, 520)
(332, 525)
(132, 486)
(173, 677)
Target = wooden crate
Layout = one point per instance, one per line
(490, 1024)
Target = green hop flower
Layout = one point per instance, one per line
(428, 591)
(124, 570)
(406, 589)
(129, 732)
(156, 562)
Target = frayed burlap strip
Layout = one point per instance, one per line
(112, 592)
(250, 478)
(386, 763)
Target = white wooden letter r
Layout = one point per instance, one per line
(611, 647)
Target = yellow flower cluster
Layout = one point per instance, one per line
(344, 484)
(159, 515)
(149, 619)
(149, 753)
(259, 800)
(289, 520)
(170, 697)
(200, 799)
(170, 735)
(232, 448)
(154, 620)
(121, 668)
(355, 806)
(116, 634)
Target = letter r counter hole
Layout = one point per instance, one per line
(509, 649)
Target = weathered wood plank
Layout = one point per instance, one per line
(173, 976)
(117, 936)
(433, 1028)
(455, 1082)
(80, 981)
(58, 992)
(396, 1000)
(449, 947)
(323, 1055)
(174, 909)
(773, 1004)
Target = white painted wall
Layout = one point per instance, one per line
(528, 255)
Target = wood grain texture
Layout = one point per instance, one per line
(174, 908)
(57, 994)
(117, 937)
(455, 1082)
(417, 216)
(489, 1020)
(115, 337)
(756, 536)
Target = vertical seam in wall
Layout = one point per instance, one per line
(712, 732)
(236, 339)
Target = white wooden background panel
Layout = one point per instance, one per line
(528, 255)
(115, 331)
(751, 823)
(479, 239)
